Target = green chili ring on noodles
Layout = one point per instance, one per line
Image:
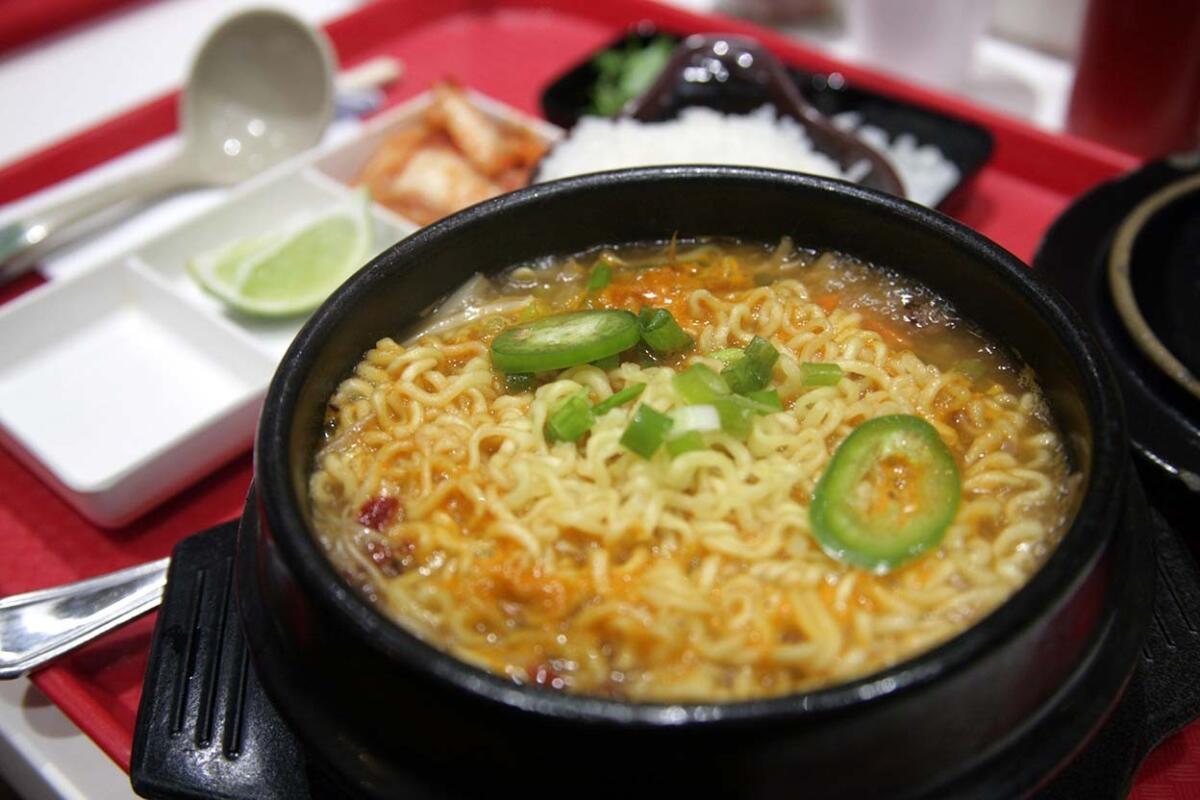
(564, 340)
(889, 493)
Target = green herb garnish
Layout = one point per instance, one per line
(753, 372)
(647, 431)
(699, 384)
(600, 278)
(692, 440)
(623, 74)
(571, 419)
(813, 374)
(662, 333)
(618, 399)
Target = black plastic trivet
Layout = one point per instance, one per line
(1164, 693)
(206, 730)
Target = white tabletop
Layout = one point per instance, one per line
(71, 81)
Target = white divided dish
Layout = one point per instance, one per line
(273, 201)
(125, 382)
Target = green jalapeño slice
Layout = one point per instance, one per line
(889, 493)
(564, 340)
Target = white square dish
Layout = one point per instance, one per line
(120, 392)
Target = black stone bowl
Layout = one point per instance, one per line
(380, 706)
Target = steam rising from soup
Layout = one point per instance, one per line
(527, 526)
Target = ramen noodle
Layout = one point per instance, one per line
(648, 549)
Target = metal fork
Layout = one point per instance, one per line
(40, 626)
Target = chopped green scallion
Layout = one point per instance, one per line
(692, 440)
(701, 418)
(662, 333)
(814, 374)
(617, 399)
(728, 355)
(699, 384)
(647, 431)
(754, 371)
(571, 419)
(769, 398)
(600, 278)
(736, 413)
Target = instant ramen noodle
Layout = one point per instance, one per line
(704, 471)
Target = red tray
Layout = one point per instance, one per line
(509, 49)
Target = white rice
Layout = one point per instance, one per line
(702, 136)
(927, 174)
(697, 136)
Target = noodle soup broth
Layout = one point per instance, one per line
(693, 471)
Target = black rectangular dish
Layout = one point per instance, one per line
(966, 145)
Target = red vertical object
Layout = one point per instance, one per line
(1138, 82)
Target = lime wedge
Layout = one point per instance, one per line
(223, 264)
(289, 271)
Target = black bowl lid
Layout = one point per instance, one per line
(1164, 420)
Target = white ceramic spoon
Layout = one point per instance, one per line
(260, 91)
